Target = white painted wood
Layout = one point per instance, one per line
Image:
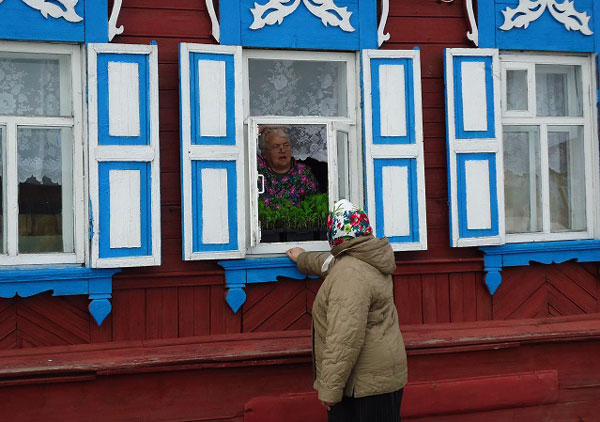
(136, 153)
(113, 29)
(477, 176)
(392, 100)
(66, 10)
(211, 152)
(476, 145)
(216, 29)
(381, 35)
(414, 151)
(125, 210)
(212, 97)
(396, 194)
(474, 100)
(215, 200)
(473, 34)
(123, 99)
(530, 10)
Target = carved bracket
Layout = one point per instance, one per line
(96, 283)
(473, 34)
(240, 273)
(65, 9)
(522, 254)
(113, 30)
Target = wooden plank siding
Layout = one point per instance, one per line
(185, 299)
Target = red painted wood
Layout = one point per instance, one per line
(161, 313)
(129, 311)
(271, 307)
(443, 397)
(222, 319)
(194, 311)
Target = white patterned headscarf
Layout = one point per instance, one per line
(345, 222)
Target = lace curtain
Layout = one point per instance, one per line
(31, 87)
(299, 88)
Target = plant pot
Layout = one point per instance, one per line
(273, 235)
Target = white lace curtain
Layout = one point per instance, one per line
(299, 88)
(31, 87)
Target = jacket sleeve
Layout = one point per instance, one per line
(347, 312)
(312, 262)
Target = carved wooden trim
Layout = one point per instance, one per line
(112, 22)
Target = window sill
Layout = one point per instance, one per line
(522, 254)
(239, 273)
(63, 281)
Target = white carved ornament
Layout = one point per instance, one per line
(381, 35)
(473, 34)
(529, 10)
(274, 11)
(112, 21)
(52, 9)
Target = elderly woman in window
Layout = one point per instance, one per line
(284, 177)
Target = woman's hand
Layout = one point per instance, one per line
(327, 405)
(294, 253)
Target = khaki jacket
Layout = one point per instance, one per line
(358, 348)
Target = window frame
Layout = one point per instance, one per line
(76, 121)
(351, 121)
(588, 120)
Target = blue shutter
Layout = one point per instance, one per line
(474, 136)
(212, 172)
(395, 172)
(124, 176)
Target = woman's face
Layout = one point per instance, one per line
(278, 152)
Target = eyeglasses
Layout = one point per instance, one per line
(283, 147)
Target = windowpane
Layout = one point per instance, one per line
(343, 165)
(516, 90)
(34, 85)
(297, 88)
(45, 162)
(567, 178)
(522, 184)
(293, 201)
(558, 90)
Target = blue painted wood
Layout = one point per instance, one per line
(105, 251)
(197, 205)
(229, 13)
(104, 138)
(197, 139)
(67, 281)
(21, 22)
(461, 133)
(448, 156)
(299, 30)
(461, 159)
(96, 21)
(241, 272)
(486, 23)
(543, 34)
(410, 137)
(522, 254)
(411, 165)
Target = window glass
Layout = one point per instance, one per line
(297, 88)
(34, 86)
(343, 164)
(45, 189)
(516, 90)
(522, 184)
(293, 199)
(567, 178)
(558, 90)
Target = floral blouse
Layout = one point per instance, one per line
(295, 185)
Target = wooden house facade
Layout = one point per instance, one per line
(468, 130)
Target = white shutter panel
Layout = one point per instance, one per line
(124, 168)
(475, 167)
(212, 170)
(395, 172)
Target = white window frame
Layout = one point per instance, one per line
(76, 122)
(511, 61)
(350, 123)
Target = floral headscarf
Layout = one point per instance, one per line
(346, 222)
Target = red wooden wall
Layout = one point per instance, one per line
(184, 299)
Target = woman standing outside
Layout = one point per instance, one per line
(359, 355)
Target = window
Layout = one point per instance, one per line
(301, 116)
(548, 147)
(41, 156)
(271, 139)
(522, 147)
